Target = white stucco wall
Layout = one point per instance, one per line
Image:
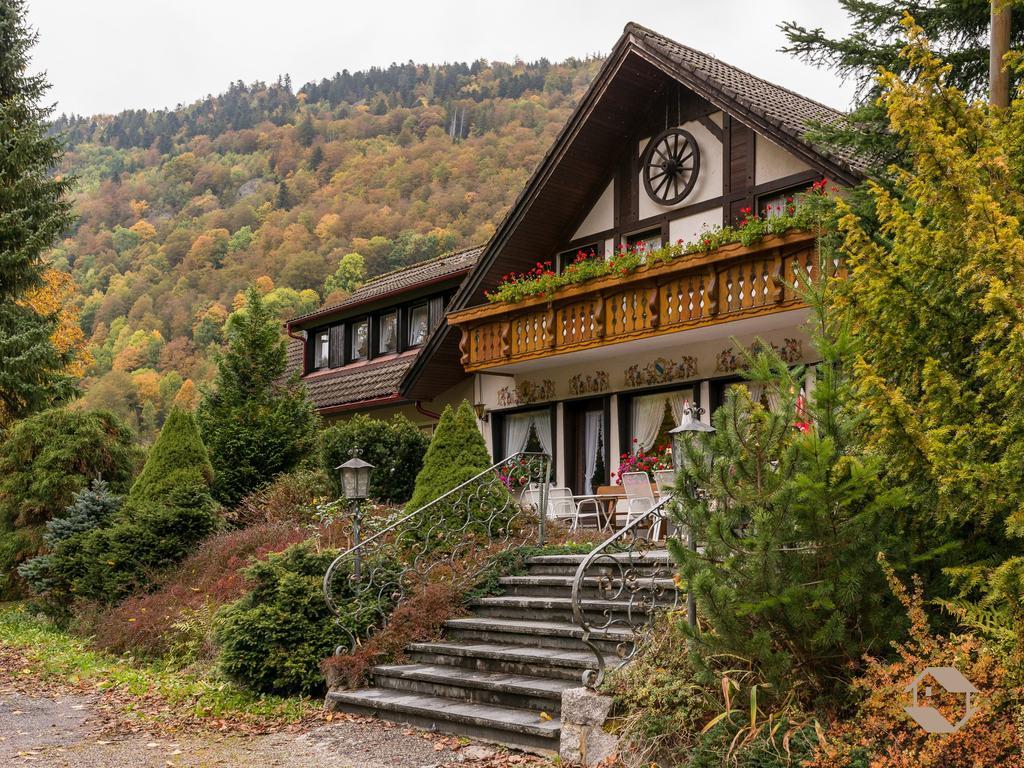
(709, 179)
(601, 216)
(772, 162)
(688, 228)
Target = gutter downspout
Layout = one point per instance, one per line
(425, 412)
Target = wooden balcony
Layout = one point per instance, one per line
(695, 291)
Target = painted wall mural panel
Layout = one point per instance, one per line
(661, 371)
(730, 359)
(589, 383)
(526, 392)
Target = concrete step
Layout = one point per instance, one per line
(497, 688)
(557, 663)
(566, 565)
(556, 608)
(530, 632)
(515, 727)
(608, 587)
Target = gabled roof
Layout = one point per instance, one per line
(777, 106)
(398, 281)
(377, 381)
(355, 385)
(636, 67)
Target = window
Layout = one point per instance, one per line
(387, 339)
(321, 348)
(583, 253)
(645, 241)
(777, 203)
(419, 325)
(360, 340)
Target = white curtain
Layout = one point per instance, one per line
(648, 413)
(542, 427)
(591, 436)
(679, 401)
(517, 432)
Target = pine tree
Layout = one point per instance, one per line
(166, 513)
(788, 524)
(256, 422)
(957, 29)
(304, 131)
(34, 210)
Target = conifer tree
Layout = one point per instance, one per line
(457, 452)
(34, 210)
(256, 422)
(788, 523)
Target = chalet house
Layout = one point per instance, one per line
(667, 143)
(355, 356)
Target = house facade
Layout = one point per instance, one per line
(667, 144)
(355, 356)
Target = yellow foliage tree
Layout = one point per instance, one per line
(56, 296)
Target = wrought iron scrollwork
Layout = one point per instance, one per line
(620, 588)
(502, 507)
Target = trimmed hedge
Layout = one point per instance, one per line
(395, 448)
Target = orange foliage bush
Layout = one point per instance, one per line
(418, 618)
(883, 735)
(211, 576)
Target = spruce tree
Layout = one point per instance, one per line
(34, 210)
(256, 422)
(788, 523)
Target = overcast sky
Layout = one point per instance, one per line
(109, 55)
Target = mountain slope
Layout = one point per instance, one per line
(180, 209)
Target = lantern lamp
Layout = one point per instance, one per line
(355, 477)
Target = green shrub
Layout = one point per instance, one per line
(256, 422)
(167, 512)
(273, 639)
(456, 454)
(395, 448)
(92, 508)
(44, 460)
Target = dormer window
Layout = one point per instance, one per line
(321, 349)
(360, 349)
(387, 334)
(419, 325)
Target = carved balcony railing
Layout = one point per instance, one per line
(448, 539)
(692, 291)
(621, 587)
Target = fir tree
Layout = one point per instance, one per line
(256, 423)
(304, 131)
(788, 523)
(167, 512)
(34, 210)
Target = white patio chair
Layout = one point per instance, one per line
(587, 509)
(639, 497)
(561, 505)
(665, 481)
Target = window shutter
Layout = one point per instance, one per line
(337, 353)
(436, 311)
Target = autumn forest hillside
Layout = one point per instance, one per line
(179, 210)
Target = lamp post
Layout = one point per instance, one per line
(355, 484)
(691, 425)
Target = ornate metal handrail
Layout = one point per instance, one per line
(621, 573)
(487, 513)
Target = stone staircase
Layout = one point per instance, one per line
(498, 674)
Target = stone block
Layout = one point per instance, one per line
(586, 745)
(582, 706)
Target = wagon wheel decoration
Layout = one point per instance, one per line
(671, 163)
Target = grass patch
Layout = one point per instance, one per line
(59, 657)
